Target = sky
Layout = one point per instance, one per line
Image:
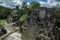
(44, 3)
(34, 0)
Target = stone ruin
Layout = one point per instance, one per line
(39, 25)
(3, 31)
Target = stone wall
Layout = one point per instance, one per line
(39, 25)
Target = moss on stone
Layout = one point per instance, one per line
(23, 17)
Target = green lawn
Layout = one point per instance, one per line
(58, 28)
(23, 17)
(14, 14)
(2, 22)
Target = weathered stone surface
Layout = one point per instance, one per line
(3, 31)
(39, 25)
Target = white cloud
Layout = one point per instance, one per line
(28, 3)
(13, 3)
(50, 3)
(42, 3)
(17, 2)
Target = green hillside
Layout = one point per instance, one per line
(4, 12)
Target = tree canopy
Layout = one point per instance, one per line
(4, 12)
(57, 10)
(34, 5)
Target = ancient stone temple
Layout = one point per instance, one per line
(39, 25)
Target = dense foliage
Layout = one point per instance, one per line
(57, 10)
(24, 12)
(4, 12)
(34, 5)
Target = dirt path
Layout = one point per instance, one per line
(11, 32)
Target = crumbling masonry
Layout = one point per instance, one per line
(39, 25)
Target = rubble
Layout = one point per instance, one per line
(41, 21)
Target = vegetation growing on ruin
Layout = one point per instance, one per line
(23, 17)
(24, 13)
(58, 17)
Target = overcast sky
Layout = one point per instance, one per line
(44, 3)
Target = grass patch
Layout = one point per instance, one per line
(23, 17)
(58, 28)
(14, 14)
(2, 22)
